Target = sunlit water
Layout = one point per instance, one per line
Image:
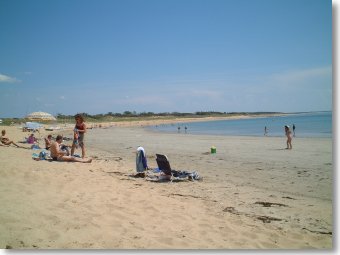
(315, 124)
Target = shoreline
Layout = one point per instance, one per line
(158, 120)
(149, 123)
(162, 121)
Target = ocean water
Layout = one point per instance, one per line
(314, 124)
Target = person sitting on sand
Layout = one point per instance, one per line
(5, 140)
(289, 137)
(58, 155)
(31, 139)
(48, 142)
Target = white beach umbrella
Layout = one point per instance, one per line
(40, 116)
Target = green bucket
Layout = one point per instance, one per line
(213, 149)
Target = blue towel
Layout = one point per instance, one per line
(140, 162)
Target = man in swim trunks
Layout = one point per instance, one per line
(58, 155)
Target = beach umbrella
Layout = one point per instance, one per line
(40, 116)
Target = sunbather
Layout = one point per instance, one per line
(59, 155)
(5, 140)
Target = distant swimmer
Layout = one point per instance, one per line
(186, 128)
(179, 129)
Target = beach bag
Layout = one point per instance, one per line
(42, 155)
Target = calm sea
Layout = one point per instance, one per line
(314, 124)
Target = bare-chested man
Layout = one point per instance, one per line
(58, 155)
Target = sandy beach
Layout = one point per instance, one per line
(254, 194)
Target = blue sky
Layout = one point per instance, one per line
(70, 56)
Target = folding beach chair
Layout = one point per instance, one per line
(164, 165)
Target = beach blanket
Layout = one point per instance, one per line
(157, 175)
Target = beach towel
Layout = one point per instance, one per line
(35, 147)
(141, 164)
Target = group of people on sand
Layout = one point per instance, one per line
(59, 151)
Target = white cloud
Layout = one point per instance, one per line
(7, 79)
(62, 97)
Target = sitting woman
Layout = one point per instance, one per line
(48, 142)
(31, 139)
(5, 140)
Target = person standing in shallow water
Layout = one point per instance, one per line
(289, 138)
(294, 130)
(79, 133)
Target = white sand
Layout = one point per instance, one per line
(74, 205)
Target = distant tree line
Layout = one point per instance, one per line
(129, 114)
(133, 115)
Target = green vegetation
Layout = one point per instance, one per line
(134, 116)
